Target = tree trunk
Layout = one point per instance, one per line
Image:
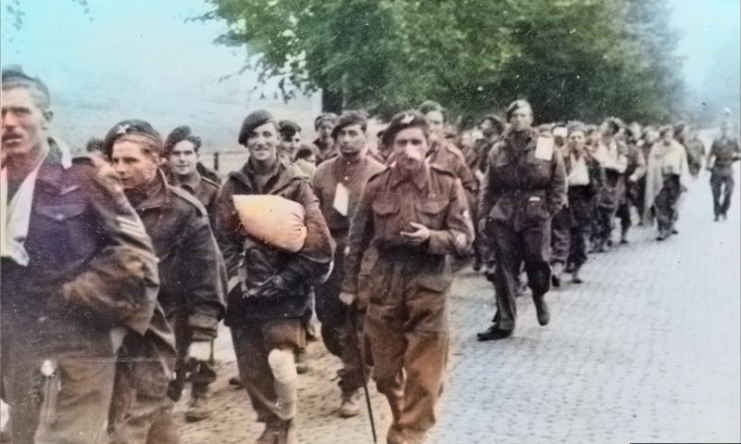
(331, 101)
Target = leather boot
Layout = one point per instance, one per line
(624, 236)
(493, 333)
(541, 309)
(575, 278)
(198, 405)
(557, 271)
(279, 432)
(350, 405)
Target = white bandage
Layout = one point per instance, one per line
(284, 371)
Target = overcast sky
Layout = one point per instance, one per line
(151, 42)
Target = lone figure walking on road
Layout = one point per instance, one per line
(723, 153)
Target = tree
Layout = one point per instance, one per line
(581, 59)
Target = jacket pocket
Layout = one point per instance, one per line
(430, 213)
(536, 211)
(386, 224)
(61, 212)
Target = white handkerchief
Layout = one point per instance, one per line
(544, 148)
(341, 199)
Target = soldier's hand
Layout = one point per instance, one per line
(200, 351)
(417, 237)
(348, 298)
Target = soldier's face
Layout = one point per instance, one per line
(577, 141)
(410, 148)
(437, 124)
(135, 167)
(289, 146)
(262, 143)
(183, 158)
(325, 131)
(24, 123)
(521, 118)
(351, 140)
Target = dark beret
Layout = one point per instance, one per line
(288, 128)
(178, 135)
(131, 127)
(332, 117)
(402, 121)
(517, 104)
(252, 121)
(350, 118)
(429, 106)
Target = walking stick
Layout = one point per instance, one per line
(353, 321)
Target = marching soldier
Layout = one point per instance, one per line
(723, 153)
(414, 214)
(269, 287)
(181, 153)
(191, 294)
(78, 273)
(338, 183)
(525, 185)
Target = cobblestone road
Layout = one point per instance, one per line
(648, 349)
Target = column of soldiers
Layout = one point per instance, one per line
(118, 267)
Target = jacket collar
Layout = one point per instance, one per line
(155, 195)
(420, 177)
(51, 171)
(283, 174)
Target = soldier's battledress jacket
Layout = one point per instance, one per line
(192, 273)
(260, 262)
(91, 267)
(434, 198)
(203, 188)
(522, 187)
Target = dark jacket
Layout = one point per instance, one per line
(192, 273)
(202, 188)
(519, 188)
(596, 176)
(250, 263)
(91, 264)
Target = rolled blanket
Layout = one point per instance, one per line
(274, 220)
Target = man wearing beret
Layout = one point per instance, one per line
(191, 295)
(182, 149)
(78, 272)
(323, 124)
(181, 154)
(269, 288)
(524, 186)
(414, 214)
(338, 183)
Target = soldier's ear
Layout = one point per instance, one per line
(48, 117)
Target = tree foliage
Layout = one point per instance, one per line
(571, 58)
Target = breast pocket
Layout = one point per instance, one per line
(69, 232)
(431, 213)
(387, 223)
